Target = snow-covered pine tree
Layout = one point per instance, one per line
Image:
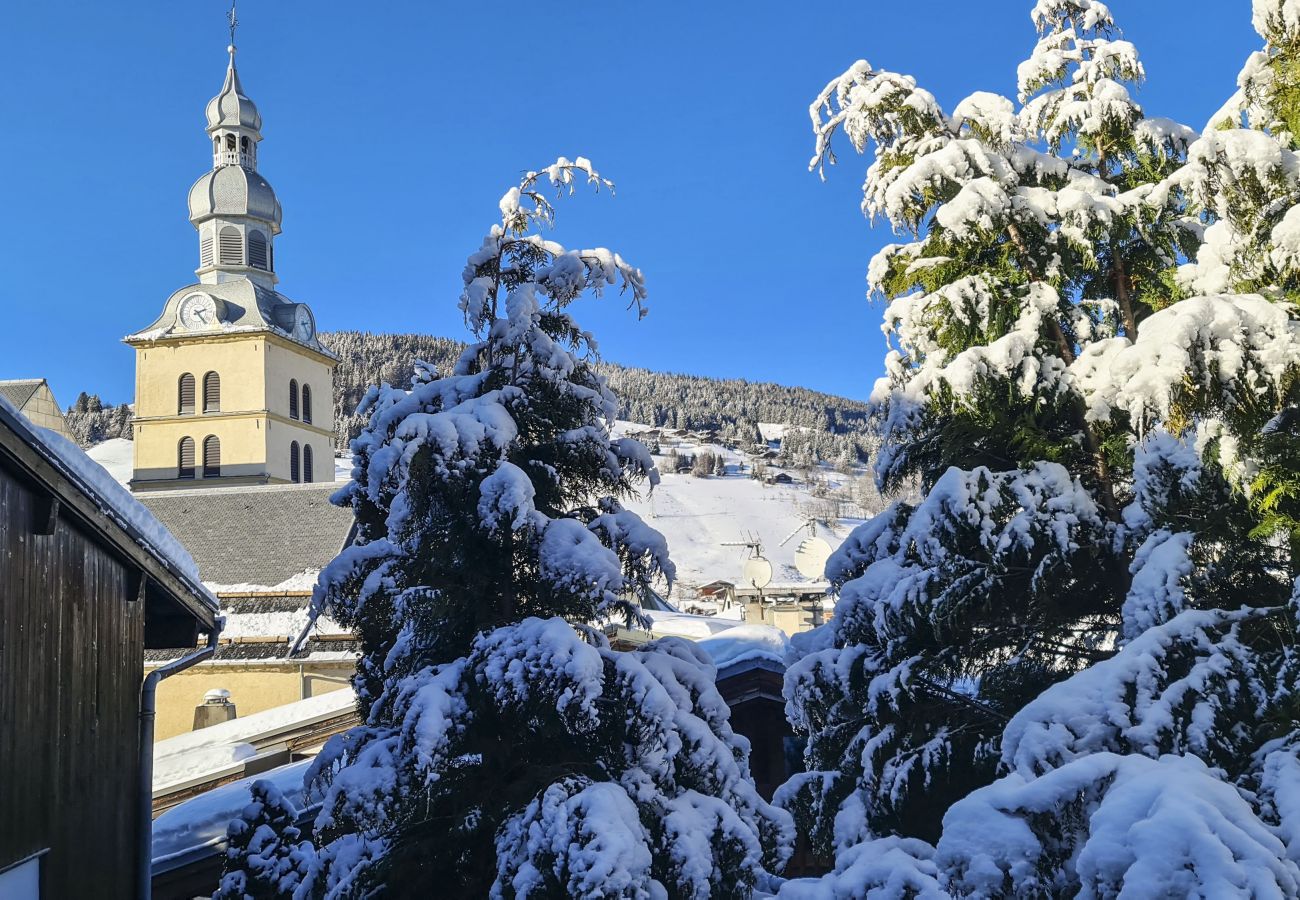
(265, 858)
(1033, 237)
(506, 748)
(1166, 768)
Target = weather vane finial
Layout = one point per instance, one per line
(234, 22)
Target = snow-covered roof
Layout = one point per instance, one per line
(197, 827)
(20, 390)
(112, 500)
(745, 643)
(198, 756)
(260, 535)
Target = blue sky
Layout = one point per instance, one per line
(392, 129)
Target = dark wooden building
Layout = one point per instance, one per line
(88, 580)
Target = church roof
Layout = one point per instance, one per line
(232, 108)
(19, 391)
(255, 535)
(244, 305)
(234, 191)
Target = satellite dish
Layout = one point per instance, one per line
(758, 572)
(810, 558)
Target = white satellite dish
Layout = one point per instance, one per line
(810, 558)
(757, 572)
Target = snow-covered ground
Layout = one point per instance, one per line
(117, 456)
(698, 516)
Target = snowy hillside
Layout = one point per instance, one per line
(698, 516)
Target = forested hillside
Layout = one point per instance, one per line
(833, 428)
(654, 398)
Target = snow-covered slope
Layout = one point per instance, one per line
(698, 516)
(117, 456)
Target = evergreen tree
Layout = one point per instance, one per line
(1106, 442)
(507, 749)
(264, 857)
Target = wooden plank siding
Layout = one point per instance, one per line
(71, 661)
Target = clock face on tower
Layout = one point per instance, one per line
(304, 326)
(197, 312)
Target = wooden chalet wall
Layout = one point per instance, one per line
(71, 651)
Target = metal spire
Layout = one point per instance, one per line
(234, 23)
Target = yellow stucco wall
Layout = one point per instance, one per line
(253, 687)
(253, 423)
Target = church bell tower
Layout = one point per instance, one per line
(232, 385)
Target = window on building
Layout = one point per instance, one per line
(293, 398)
(230, 142)
(306, 404)
(205, 250)
(243, 144)
(185, 395)
(212, 456)
(185, 458)
(230, 246)
(307, 464)
(211, 392)
(295, 472)
(257, 257)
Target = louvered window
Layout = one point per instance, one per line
(306, 464)
(212, 456)
(185, 400)
(257, 250)
(185, 461)
(211, 392)
(293, 398)
(205, 251)
(306, 404)
(295, 474)
(231, 246)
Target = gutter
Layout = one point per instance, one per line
(148, 712)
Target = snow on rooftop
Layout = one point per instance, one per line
(744, 643)
(113, 499)
(202, 821)
(209, 750)
(664, 624)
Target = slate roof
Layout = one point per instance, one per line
(255, 535)
(20, 391)
(313, 649)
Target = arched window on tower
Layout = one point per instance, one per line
(306, 404)
(293, 398)
(257, 256)
(230, 142)
(185, 395)
(307, 466)
(211, 392)
(243, 144)
(212, 456)
(185, 458)
(295, 473)
(231, 246)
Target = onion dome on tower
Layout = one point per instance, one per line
(233, 207)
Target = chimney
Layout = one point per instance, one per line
(215, 709)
